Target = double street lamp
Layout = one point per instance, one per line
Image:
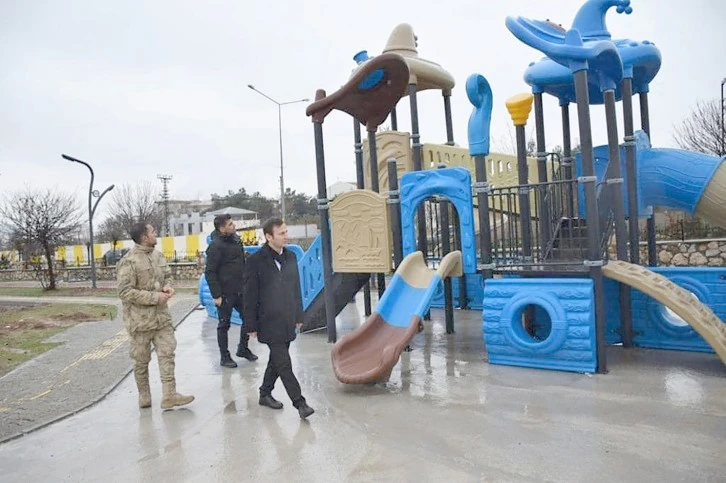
(91, 210)
(279, 124)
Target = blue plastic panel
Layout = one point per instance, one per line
(451, 183)
(654, 327)
(310, 266)
(570, 304)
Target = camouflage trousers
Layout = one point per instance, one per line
(165, 344)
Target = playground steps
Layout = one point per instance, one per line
(569, 241)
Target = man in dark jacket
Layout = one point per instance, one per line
(224, 272)
(274, 313)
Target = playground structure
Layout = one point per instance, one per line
(537, 261)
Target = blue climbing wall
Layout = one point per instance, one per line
(310, 266)
(653, 326)
(451, 183)
(566, 341)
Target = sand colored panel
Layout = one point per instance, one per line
(389, 144)
(424, 73)
(361, 233)
(369, 353)
(712, 205)
(60, 253)
(696, 314)
(434, 155)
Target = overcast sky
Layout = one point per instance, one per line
(140, 88)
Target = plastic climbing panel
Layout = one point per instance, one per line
(451, 183)
(310, 267)
(562, 335)
(672, 306)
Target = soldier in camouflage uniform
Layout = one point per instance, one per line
(144, 288)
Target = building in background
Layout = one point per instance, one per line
(193, 223)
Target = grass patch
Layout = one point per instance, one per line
(71, 292)
(25, 329)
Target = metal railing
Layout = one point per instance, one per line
(516, 245)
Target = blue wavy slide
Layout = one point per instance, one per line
(369, 353)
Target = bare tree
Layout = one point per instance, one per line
(111, 231)
(41, 221)
(701, 130)
(507, 143)
(134, 203)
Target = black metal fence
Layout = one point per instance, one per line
(433, 208)
(548, 238)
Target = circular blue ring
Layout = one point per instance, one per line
(658, 314)
(511, 323)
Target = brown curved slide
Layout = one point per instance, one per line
(369, 353)
(673, 296)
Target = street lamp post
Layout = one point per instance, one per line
(723, 129)
(279, 124)
(91, 210)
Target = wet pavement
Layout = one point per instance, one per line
(92, 359)
(445, 414)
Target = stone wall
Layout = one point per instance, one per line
(695, 253)
(180, 271)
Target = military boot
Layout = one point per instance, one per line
(172, 398)
(142, 384)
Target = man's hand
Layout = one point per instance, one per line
(218, 301)
(168, 290)
(252, 334)
(163, 298)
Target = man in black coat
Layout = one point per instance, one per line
(274, 313)
(224, 272)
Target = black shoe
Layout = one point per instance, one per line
(304, 410)
(270, 402)
(227, 361)
(245, 353)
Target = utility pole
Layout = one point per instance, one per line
(165, 178)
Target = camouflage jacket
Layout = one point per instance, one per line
(141, 274)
